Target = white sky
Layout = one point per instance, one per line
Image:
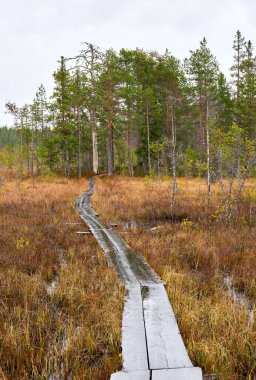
(35, 33)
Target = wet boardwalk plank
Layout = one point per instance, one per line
(165, 345)
(134, 346)
(152, 347)
(133, 375)
(178, 374)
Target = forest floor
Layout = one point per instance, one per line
(56, 288)
(209, 267)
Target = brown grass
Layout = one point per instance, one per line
(191, 254)
(71, 328)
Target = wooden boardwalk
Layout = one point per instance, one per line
(152, 347)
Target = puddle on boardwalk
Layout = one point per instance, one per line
(240, 298)
(144, 292)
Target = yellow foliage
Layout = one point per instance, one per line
(186, 223)
(22, 243)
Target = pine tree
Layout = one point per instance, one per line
(239, 48)
(108, 88)
(202, 68)
(224, 103)
(248, 91)
(64, 117)
(90, 61)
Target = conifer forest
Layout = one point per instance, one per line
(140, 113)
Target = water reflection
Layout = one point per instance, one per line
(240, 298)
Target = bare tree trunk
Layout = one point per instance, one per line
(27, 144)
(110, 146)
(130, 163)
(168, 128)
(129, 141)
(36, 148)
(95, 154)
(228, 208)
(201, 133)
(174, 174)
(239, 191)
(158, 168)
(208, 155)
(148, 140)
(238, 174)
(231, 204)
(32, 154)
(21, 154)
(79, 143)
(220, 156)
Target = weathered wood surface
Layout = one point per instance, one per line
(178, 374)
(132, 375)
(152, 347)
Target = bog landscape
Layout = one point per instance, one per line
(128, 220)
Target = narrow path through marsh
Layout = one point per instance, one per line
(152, 346)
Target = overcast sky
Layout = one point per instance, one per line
(35, 33)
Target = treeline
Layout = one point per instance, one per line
(139, 112)
(8, 136)
(9, 140)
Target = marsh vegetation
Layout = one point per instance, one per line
(61, 306)
(194, 254)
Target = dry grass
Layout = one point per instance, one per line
(60, 306)
(191, 255)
